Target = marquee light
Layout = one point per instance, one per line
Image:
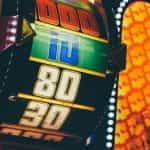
(133, 102)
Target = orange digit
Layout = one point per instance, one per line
(68, 17)
(88, 23)
(47, 11)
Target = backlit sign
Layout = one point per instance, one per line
(69, 50)
(56, 86)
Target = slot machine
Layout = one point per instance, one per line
(58, 85)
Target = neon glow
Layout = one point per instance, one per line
(67, 49)
(34, 133)
(36, 111)
(58, 102)
(133, 121)
(48, 78)
(48, 13)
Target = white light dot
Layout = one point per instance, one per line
(120, 9)
(122, 4)
(126, 1)
(108, 144)
(14, 23)
(115, 86)
(118, 22)
(112, 100)
(118, 16)
(14, 17)
(113, 93)
(118, 29)
(109, 137)
(88, 141)
(110, 129)
(12, 38)
(112, 107)
(13, 30)
(111, 115)
(110, 122)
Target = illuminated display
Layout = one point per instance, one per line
(132, 128)
(53, 99)
(56, 86)
(68, 17)
(55, 45)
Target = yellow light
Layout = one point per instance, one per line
(57, 102)
(38, 60)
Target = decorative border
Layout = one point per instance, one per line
(119, 12)
(111, 116)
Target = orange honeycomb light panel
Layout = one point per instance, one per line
(133, 110)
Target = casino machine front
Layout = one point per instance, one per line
(59, 67)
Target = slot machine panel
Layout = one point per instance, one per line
(55, 86)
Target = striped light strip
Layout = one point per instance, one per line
(38, 60)
(11, 31)
(20, 127)
(57, 102)
(119, 14)
(111, 116)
